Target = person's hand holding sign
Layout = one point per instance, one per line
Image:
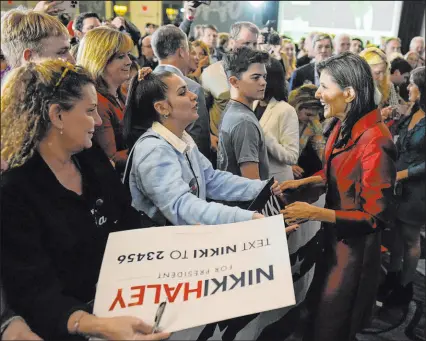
(113, 328)
(276, 189)
(130, 328)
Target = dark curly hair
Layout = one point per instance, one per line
(26, 97)
(238, 61)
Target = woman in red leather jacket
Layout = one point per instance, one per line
(359, 173)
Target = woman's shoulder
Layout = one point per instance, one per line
(284, 109)
(150, 144)
(14, 178)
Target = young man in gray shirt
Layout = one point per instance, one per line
(242, 148)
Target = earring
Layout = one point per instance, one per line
(166, 116)
(61, 131)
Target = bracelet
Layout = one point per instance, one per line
(77, 324)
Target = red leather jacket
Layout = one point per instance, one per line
(360, 177)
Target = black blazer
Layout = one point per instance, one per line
(303, 75)
(53, 240)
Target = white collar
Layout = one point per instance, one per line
(179, 72)
(181, 145)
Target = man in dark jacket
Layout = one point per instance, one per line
(307, 74)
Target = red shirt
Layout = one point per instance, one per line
(109, 135)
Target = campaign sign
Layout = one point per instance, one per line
(204, 273)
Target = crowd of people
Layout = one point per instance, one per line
(106, 129)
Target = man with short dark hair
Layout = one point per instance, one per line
(84, 23)
(400, 74)
(209, 37)
(242, 148)
(307, 74)
(357, 45)
(171, 47)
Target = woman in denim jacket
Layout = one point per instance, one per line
(169, 178)
(410, 196)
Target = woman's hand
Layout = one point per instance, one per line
(290, 184)
(288, 229)
(129, 328)
(298, 211)
(19, 330)
(49, 7)
(386, 113)
(205, 61)
(291, 228)
(257, 216)
(214, 140)
(275, 188)
(297, 171)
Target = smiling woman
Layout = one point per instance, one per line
(52, 199)
(105, 53)
(169, 178)
(359, 173)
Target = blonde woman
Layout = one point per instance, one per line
(105, 53)
(223, 42)
(201, 55)
(288, 53)
(379, 65)
(62, 199)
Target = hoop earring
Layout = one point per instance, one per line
(166, 116)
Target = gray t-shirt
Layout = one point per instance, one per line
(241, 140)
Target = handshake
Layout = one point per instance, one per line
(296, 197)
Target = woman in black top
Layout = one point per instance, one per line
(60, 200)
(410, 197)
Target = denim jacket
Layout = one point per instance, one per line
(170, 180)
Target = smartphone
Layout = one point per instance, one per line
(68, 7)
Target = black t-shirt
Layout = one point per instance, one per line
(259, 111)
(53, 239)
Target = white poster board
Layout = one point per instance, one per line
(205, 273)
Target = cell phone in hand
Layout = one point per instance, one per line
(68, 7)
